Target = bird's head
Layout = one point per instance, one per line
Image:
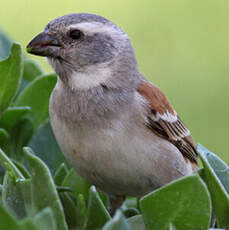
(84, 45)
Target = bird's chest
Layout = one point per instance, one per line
(117, 153)
(89, 126)
(100, 155)
(87, 146)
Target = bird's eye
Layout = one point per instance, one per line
(75, 34)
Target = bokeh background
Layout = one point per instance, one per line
(181, 45)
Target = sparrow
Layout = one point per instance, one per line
(118, 130)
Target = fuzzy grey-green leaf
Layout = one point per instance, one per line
(5, 44)
(136, 223)
(97, 215)
(43, 189)
(26, 191)
(28, 224)
(8, 165)
(216, 174)
(118, 222)
(45, 220)
(12, 196)
(184, 203)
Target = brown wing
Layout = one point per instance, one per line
(164, 121)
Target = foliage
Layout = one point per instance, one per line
(39, 191)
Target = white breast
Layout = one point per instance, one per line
(121, 159)
(91, 77)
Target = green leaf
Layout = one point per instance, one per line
(12, 197)
(5, 44)
(10, 76)
(4, 137)
(21, 134)
(81, 210)
(8, 165)
(70, 209)
(184, 203)
(26, 191)
(43, 189)
(216, 174)
(118, 222)
(12, 115)
(75, 211)
(216, 165)
(22, 169)
(7, 221)
(60, 174)
(31, 71)
(104, 198)
(97, 215)
(76, 183)
(136, 223)
(36, 96)
(28, 224)
(44, 142)
(45, 220)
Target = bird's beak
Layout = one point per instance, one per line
(44, 45)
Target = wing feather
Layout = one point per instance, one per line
(164, 121)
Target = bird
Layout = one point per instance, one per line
(116, 128)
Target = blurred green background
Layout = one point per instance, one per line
(181, 45)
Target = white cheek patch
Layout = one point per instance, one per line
(92, 77)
